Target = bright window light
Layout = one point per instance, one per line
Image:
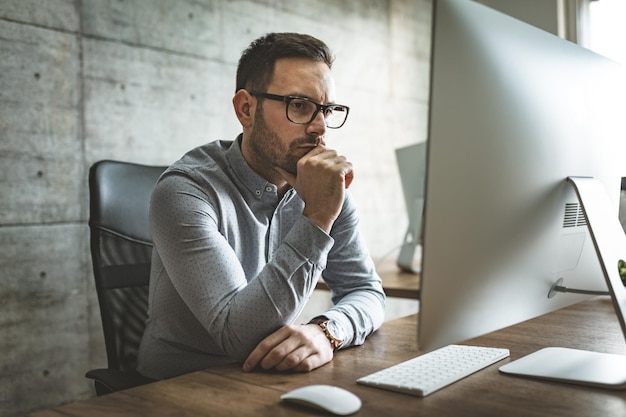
(607, 31)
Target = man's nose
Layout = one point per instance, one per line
(317, 126)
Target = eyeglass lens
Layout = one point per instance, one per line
(304, 111)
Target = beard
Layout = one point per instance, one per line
(270, 151)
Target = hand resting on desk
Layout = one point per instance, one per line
(299, 348)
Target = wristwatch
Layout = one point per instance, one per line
(331, 329)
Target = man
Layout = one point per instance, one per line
(242, 230)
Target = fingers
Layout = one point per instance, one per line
(298, 348)
(321, 180)
(348, 179)
(337, 163)
(330, 158)
(289, 359)
(321, 161)
(264, 348)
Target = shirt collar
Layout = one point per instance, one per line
(246, 176)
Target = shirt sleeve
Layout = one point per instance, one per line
(236, 311)
(356, 288)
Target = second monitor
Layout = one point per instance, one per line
(412, 166)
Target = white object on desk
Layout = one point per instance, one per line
(325, 397)
(575, 366)
(434, 370)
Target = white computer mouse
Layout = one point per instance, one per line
(325, 397)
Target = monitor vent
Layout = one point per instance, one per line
(574, 215)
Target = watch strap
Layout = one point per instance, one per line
(322, 321)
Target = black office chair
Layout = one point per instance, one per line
(121, 248)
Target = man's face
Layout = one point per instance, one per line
(276, 141)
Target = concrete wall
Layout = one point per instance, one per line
(144, 81)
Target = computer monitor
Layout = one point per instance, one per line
(515, 112)
(412, 167)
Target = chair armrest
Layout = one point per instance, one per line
(107, 381)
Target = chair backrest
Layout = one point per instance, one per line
(121, 249)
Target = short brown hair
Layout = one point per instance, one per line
(256, 65)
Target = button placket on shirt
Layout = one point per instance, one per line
(275, 233)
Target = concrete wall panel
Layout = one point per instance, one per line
(45, 320)
(184, 26)
(151, 106)
(41, 152)
(59, 14)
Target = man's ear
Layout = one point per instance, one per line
(244, 105)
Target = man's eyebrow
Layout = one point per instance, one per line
(310, 98)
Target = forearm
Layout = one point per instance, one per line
(359, 314)
(235, 308)
(356, 288)
(270, 301)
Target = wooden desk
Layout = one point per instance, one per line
(396, 283)
(226, 391)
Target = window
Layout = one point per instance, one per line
(606, 31)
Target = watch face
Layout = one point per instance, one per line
(335, 330)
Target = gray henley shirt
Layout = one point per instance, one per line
(232, 263)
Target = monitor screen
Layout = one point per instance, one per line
(514, 112)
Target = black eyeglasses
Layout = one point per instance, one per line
(302, 110)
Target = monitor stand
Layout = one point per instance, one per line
(578, 366)
(412, 238)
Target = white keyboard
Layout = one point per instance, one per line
(434, 370)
